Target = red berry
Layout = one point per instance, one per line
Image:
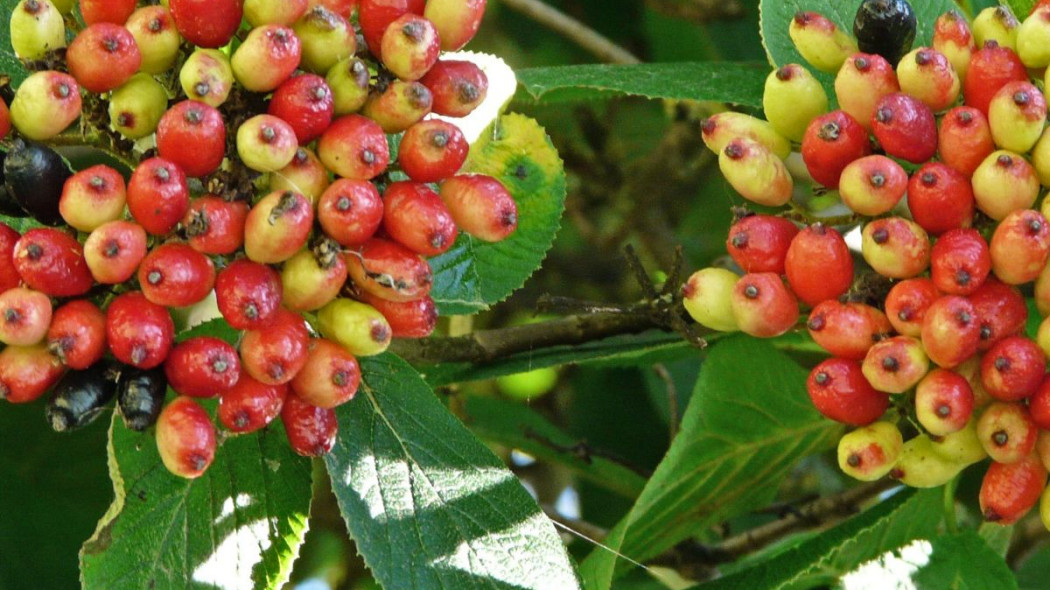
(311, 430)
(374, 16)
(960, 261)
(9, 277)
(77, 335)
(1008, 492)
(456, 21)
(1001, 310)
(1039, 405)
(140, 333)
(950, 331)
(5, 119)
(27, 372)
(407, 319)
(862, 80)
(202, 367)
(266, 58)
(92, 197)
(819, 265)
(1020, 246)
(905, 127)
(907, 302)
(175, 275)
(214, 225)
(940, 198)
(457, 87)
(831, 142)
(759, 243)
(192, 135)
(415, 216)
(763, 306)
(114, 250)
(158, 195)
(410, 46)
(389, 270)
(305, 103)
(354, 146)
(838, 390)
(248, 294)
(51, 261)
(207, 23)
(1012, 369)
(432, 150)
(481, 206)
(276, 353)
(847, 330)
(106, 11)
(185, 436)
(896, 364)
(943, 402)
(25, 315)
(964, 139)
(1006, 431)
(250, 405)
(872, 185)
(350, 211)
(991, 68)
(330, 376)
(103, 56)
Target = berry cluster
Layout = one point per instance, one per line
(301, 209)
(939, 154)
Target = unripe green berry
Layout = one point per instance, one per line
(136, 107)
(707, 296)
(792, 98)
(870, 452)
(358, 327)
(37, 27)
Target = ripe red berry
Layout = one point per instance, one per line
(25, 315)
(158, 195)
(27, 372)
(410, 46)
(374, 16)
(305, 103)
(176, 275)
(1020, 246)
(896, 364)
(872, 185)
(831, 142)
(202, 366)
(9, 277)
(964, 139)
(389, 270)
(759, 243)
(950, 331)
(77, 335)
(960, 261)
(214, 225)
(1006, 431)
(763, 306)
(248, 294)
(905, 127)
(139, 332)
(943, 402)
(953, 38)
(185, 437)
(207, 23)
(415, 216)
(991, 68)
(354, 147)
(1012, 369)
(250, 405)
(103, 56)
(940, 198)
(311, 430)
(192, 135)
(407, 319)
(350, 211)
(1009, 491)
(907, 302)
(456, 21)
(114, 250)
(5, 119)
(847, 330)
(106, 11)
(156, 36)
(277, 227)
(1039, 406)
(819, 265)
(432, 150)
(481, 206)
(276, 353)
(330, 376)
(1001, 311)
(457, 87)
(51, 261)
(838, 390)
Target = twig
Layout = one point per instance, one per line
(572, 29)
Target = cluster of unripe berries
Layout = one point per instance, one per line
(301, 213)
(941, 154)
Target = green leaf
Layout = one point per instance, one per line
(617, 351)
(53, 488)
(964, 562)
(889, 525)
(237, 526)
(473, 274)
(1020, 8)
(776, 15)
(747, 423)
(996, 536)
(513, 425)
(9, 63)
(737, 83)
(429, 506)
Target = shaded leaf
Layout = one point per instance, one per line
(514, 425)
(430, 506)
(737, 83)
(1020, 8)
(237, 526)
(748, 421)
(474, 274)
(964, 562)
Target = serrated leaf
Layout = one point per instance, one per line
(1020, 8)
(514, 425)
(747, 423)
(9, 63)
(429, 506)
(775, 17)
(964, 562)
(737, 83)
(239, 526)
(473, 274)
(890, 524)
